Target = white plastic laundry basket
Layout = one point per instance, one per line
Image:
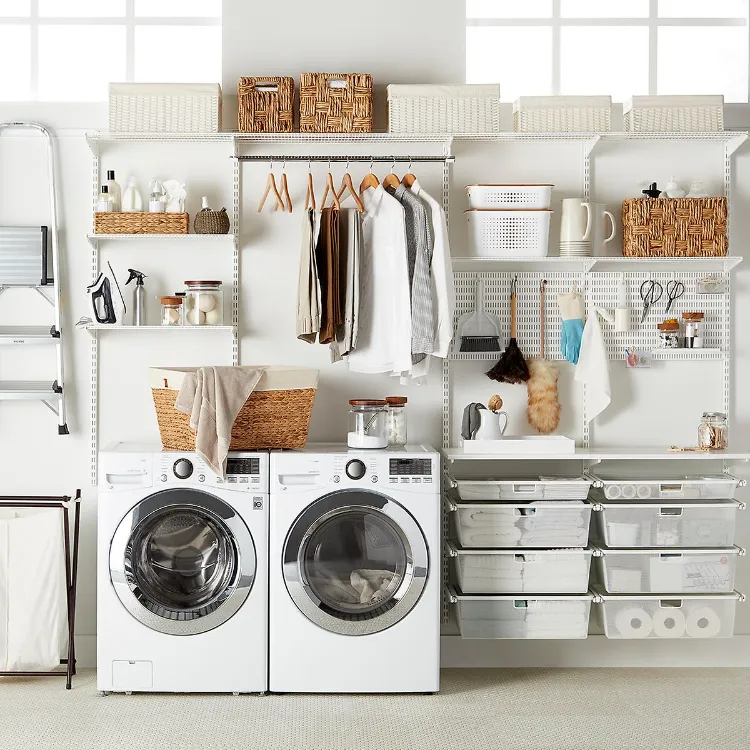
(509, 196)
(517, 233)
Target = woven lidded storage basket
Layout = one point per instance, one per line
(471, 108)
(266, 105)
(562, 114)
(165, 107)
(674, 227)
(140, 223)
(277, 414)
(681, 114)
(335, 103)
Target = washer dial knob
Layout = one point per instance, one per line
(356, 469)
(182, 468)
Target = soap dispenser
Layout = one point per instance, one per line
(139, 297)
(132, 200)
(114, 190)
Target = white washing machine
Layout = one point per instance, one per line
(182, 573)
(355, 571)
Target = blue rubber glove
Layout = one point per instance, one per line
(571, 311)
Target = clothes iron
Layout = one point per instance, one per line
(107, 302)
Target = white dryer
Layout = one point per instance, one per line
(182, 573)
(355, 571)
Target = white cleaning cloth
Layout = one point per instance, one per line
(593, 369)
(213, 397)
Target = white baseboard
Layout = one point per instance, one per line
(595, 651)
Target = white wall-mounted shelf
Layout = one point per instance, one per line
(601, 454)
(616, 263)
(97, 327)
(677, 355)
(94, 238)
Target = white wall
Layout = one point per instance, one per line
(396, 41)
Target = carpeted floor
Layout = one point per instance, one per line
(536, 709)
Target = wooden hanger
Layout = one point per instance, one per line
(330, 187)
(310, 197)
(346, 184)
(408, 179)
(285, 189)
(271, 187)
(392, 180)
(370, 181)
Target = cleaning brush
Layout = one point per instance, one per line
(511, 367)
(479, 331)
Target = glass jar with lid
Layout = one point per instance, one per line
(712, 433)
(204, 303)
(669, 334)
(395, 423)
(367, 420)
(171, 311)
(693, 326)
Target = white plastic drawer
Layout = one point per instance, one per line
(688, 571)
(700, 616)
(541, 523)
(521, 490)
(498, 571)
(721, 487)
(534, 617)
(649, 524)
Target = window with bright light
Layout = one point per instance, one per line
(617, 47)
(69, 50)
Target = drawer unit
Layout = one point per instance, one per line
(688, 571)
(655, 524)
(535, 617)
(498, 571)
(523, 490)
(719, 487)
(541, 523)
(644, 616)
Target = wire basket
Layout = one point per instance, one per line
(335, 103)
(140, 223)
(266, 105)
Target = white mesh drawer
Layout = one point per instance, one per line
(689, 571)
(648, 524)
(509, 196)
(718, 487)
(516, 233)
(542, 523)
(521, 490)
(496, 571)
(536, 617)
(701, 616)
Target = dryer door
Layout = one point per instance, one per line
(182, 562)
(355, 562)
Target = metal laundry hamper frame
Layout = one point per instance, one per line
(71, 572)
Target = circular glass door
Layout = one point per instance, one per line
(355, 562)
(182, 562)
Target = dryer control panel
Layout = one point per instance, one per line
(246, 472)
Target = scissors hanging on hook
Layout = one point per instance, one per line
(651, 292)
(675, 290)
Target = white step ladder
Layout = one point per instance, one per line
(18, 271)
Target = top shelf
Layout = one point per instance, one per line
(618, 263)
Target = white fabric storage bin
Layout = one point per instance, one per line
(688, 571)
(544, 523)
(721, 486)
(536, 617)
(509, 196)
(650, 524)
(520, 490)
(164, 107)
(500, 571)
(470, 108)
(508, 233)
(562, 114)
(682, 114)
(639, 616)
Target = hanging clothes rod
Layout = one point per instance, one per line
(338, 159)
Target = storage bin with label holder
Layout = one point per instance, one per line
(533, 617)
(656, 571)
(502, 571)
(524, 489)
(508, 233)
(663, 616)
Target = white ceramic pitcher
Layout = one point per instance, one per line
(489, 425)
(595, 232)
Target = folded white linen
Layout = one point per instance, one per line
(490, 562)
(544, 538)
(542, 521)
(491, 517)
(491, 538)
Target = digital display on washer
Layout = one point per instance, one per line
(243, 466)
(412, 467)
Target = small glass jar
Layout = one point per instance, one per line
(395, 423)
(367, 419)
(171, 311)
(204, 303)
(693, 327)
(669, 334)
(712, 433)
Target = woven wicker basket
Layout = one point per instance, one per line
(211, 222)
(140, 223)
(683, 114)
(674, 227)
(276, 416)
(562, 114)
(333, 103)
(266, 105)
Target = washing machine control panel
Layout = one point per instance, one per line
(182, 468)
(356, 469)
(245, 472)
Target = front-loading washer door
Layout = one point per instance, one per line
(182, 561)
(355, 562)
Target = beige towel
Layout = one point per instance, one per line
(213, 397)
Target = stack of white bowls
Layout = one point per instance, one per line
(575, 227)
